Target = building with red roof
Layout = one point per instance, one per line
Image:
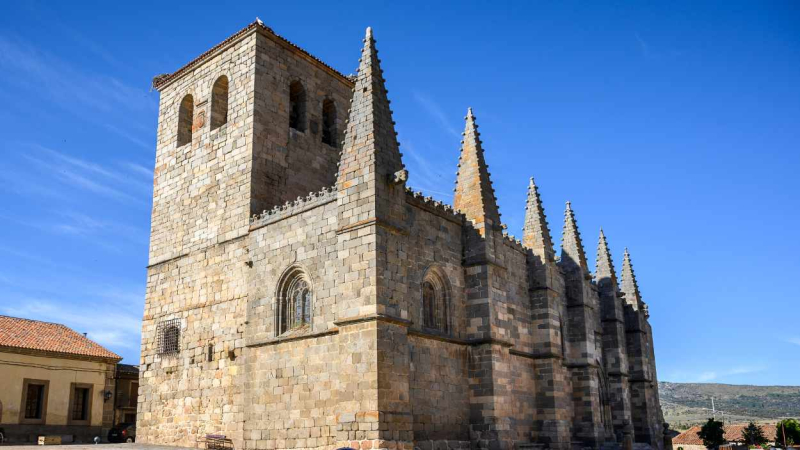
(55, 382)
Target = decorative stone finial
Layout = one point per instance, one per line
(572, 253)
(629, 285)
(604, 265)
(474, 195)
(536, 232)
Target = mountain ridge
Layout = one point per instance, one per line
(687, 404)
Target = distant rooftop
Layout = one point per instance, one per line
(127, 369)
(27, 334)
(733, 433)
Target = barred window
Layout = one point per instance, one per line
(295, 297)
(169, 336)
(435, 301)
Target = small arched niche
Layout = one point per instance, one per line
(185, 117)
(219, 103)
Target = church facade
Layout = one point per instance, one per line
(300, 295)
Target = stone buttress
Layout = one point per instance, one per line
(645, 408)
(584, 339)
(614, 347)
(553, 423)
(371, 198)
(474, 197)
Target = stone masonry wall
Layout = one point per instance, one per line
(200, 194)
(198, 253)
(197, 390)
(289, 163)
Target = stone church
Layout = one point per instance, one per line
(300, 295)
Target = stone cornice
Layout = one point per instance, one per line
(51, 354)
(372, 318)
(300, 205)
(299, 337)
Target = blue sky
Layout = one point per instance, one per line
(674, 128)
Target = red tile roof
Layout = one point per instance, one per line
(733, 433)
(162, 80)
(49, 337)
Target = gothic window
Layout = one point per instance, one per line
(605, 404)
(185, 117)
(297, 106)
(295, 297)
(219, 103)
(435, 302)
(169, 336)
(329, 122)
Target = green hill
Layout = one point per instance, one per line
(686, 404)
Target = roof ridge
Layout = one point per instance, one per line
(34, 320)
(50, 337)
(160, 81)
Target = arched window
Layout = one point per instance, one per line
(605, 403)
(219, 103)
(185, 117)
(297, 106)
(329, 122)
(294, 301)
(435, 301)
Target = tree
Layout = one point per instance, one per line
(753, 435)
(789, 427)
(713, 434)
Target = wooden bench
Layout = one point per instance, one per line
(218, 442)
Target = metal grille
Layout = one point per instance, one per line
(169, 336)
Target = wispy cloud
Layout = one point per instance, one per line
(706, 376)
(123, 331)
(80, 181)
(794, 340)
(89, 176)
(100, 232)
(426, 176)
(643, 46)
(139, 170)
(433, 108)
(20, 183)
(131, 137)
(650, 52)
(95, 97)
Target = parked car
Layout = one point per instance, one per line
(124, 432)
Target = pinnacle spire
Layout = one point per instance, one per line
(629, 286)
(536, 232)
(572, 253)
(604, 266)
(370, 138)
(474, 195)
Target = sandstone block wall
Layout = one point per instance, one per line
(526, 352)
